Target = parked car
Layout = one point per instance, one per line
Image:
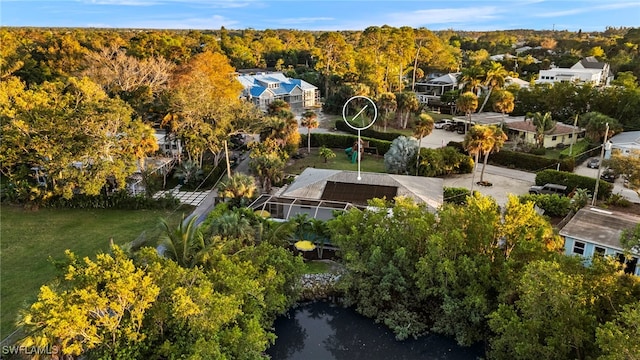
(593, 163)
(609, 175)
(548, 189)
(441, 124)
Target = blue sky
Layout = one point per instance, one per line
(480, 15)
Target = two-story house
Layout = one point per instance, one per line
(263, 88)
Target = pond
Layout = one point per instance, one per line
(325, 331)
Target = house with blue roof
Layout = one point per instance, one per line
(263, 88)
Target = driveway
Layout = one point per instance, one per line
(618, 185)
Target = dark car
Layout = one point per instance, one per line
(593, 163)
(609, 175)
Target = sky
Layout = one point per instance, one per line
(330, 15)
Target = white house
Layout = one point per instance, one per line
(320, 192)
(595, 232)
(626, 142)
(429, 92)
(526, 131)
(263, 88)
(588, 70)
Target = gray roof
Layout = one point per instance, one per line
(591, 62)
(627, 137)
(489, 118)
(599, 226)
(310, 184)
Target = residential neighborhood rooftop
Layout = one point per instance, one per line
(599, 226)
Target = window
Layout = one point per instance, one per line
(578, 247)
(553, 138)
(570, 136)
(599, 251)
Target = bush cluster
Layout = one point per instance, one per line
(342, 141)
(389, 136)
(573, 181)
(456, 195)
(118, 200)
(531, 162)
(442, 161)
(553, 205)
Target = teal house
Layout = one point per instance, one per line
(596, 232)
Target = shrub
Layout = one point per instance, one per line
(442, 161)
(618, 200)
(538, 151)
(553, 205)
(456, 195)
(118, 200)
(573, 181)
(524, 161)
(342, 141)
(389, 136)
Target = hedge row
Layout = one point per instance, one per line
(343, 141)
(389, 136)
(553, 205)
(523, 161)
(118, 200)
(573, 181)
(531, 162)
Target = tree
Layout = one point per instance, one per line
(471, 78)
(627, 165)
(100, 306)
(73, 132)
(543, 123)
(595, 124)
(551, 318)
(335, 56)
(402, 150)
(203, 102)
(483, 140)
(240, 188)
(326, 153)
(494, 79)
(387, 103)
(183, 243)
(407, 104)
(467, 103)
(309, 120)
(616, 338)
(423, 128)
(267, 162)
(504, 102)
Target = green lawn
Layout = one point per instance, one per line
(316, 267)
(370, 163)
(29, 238)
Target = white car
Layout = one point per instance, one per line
(441, 124)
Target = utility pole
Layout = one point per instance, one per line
(573, 135)
(595, 192)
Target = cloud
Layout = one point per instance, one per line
(581, 8)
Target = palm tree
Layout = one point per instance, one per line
(239, 187)
(407, 104)
(495, 79)
(182, 243)
(467, 103)
(309, 120)
(543, 123)
(326, 153)
(504, 102)
(387, 103)
(595, 124)
(483, 140)
(471, 78)
(423, 128)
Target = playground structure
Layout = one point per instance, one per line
(355, 152)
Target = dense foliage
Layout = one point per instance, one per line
(479, 273)
(220, 303)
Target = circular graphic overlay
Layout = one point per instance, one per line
(359, 112)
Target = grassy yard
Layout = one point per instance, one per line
(369, 163)
(316, 267)
(30, 238)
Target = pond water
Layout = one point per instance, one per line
(325, 331)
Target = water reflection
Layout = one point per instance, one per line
(323, 331)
